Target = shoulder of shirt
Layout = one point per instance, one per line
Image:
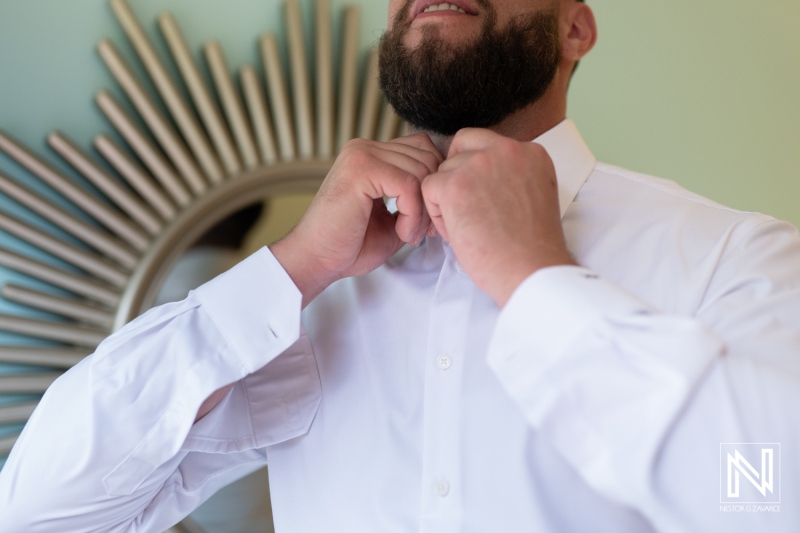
(612, 197)
(672, 194)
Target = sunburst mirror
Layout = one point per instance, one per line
(178, 168)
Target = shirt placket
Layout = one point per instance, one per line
(442, 491)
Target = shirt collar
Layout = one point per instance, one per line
(573, 160)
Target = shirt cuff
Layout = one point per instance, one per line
(256, 307)
(566, 334)
(555, 306)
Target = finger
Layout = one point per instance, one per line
(385, 179)
(409, 162)
(422, 143)
(398, 155)
(472, 140)
(432, 193)
(456, 161)
(413, 219)
(439, 228)
(373, 170)
(428, 161)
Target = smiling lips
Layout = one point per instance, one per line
(428, 8)
(444, 7)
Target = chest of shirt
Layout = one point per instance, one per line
(414, 431)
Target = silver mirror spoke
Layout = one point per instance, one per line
(167, 137)
(135, 176)
(42, 356)
(95, 238)
(123, 198)
(94, 207)
(348, 83)
(203, 101)
(301, 82)
(91, 263)
(81, 285)
(278, 96)
(163, 171)
(10, 414)
(324, 80)
(27, 383)
(259, 115)
(184, 118)
(80, 311)
(370, 99)
(54, 331)
(6, 443)
(232, 105)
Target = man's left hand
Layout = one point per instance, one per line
(496, 201)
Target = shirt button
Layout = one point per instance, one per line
(458, 267)
(444, 362)
(442, 488)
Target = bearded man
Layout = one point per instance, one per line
(563, 346)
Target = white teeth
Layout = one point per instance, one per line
(444, 6)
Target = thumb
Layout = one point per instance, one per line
(471, 140)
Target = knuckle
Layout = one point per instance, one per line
(421, 170)
(411, 183)
(359, 157)
(354, 146)
(416, 140)
(462, 133)
(537, 149)
(355, 142)
(422, 138)
(509, 147)
(431, 161)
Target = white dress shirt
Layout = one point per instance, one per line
(596, 400)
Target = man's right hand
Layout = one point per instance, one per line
(347, 230)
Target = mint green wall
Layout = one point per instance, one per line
(701, 92)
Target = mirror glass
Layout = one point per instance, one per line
(231, 240)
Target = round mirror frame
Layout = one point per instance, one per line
(301, 177)
(263, 148)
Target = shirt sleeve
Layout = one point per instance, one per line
(639, 402)
(113, 445)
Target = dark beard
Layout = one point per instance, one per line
(441, 88)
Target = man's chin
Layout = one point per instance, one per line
(441, 33)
